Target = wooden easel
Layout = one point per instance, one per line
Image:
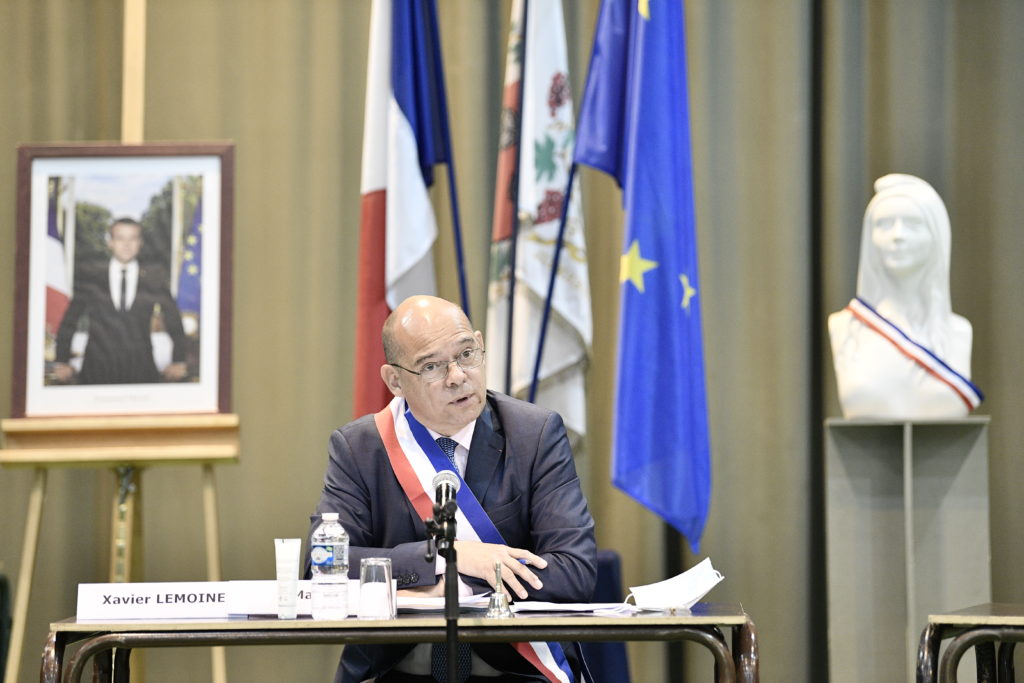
(126, 444)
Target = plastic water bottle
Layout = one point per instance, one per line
(329, 555)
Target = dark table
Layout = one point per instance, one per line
(980, 627)
(736, 658)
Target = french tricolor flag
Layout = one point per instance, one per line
(405, 135)
(57, 290)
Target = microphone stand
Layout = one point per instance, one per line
(441, 534)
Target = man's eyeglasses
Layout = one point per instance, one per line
(434, 370)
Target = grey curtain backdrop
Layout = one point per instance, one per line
(797, 106)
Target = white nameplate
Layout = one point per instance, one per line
(259, 598)
(177, 600)
(191, 600)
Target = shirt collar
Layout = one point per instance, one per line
(116, 267)
(463, 437)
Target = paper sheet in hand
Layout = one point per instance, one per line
(682, 591)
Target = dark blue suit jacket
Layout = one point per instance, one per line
(521, 470)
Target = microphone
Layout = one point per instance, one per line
(446, 484)
(441, 529)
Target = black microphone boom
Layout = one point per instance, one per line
(441, 533)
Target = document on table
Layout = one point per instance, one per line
(436, 604)
(595, 607)
(481, 601)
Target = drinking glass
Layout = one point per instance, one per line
(376, 596)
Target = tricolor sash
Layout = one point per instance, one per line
(415, 458)
(969, 393)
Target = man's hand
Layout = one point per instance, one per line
(175, 371)
(477, 559)
(62, 372)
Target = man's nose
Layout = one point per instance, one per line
(456, 375)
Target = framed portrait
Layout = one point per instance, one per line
(123, 279)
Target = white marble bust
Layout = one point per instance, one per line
(898, 349)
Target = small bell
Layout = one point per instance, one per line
(498, 607)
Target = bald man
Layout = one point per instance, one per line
(527, 509)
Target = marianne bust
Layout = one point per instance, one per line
(898, 349)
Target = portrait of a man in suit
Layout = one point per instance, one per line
(119, 313)
(119, 302)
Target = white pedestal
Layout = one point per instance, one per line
(907, 535)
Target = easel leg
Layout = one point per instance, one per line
(213, 559)
(126, 539)
(28, 563)
(125, 554)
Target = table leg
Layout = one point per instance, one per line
(53, 658)
(1006, 674)
(744, 653)
(93, 646)
(28, 562)
(724, 671)
(711, 637)
(52, 669)
(102, 667)
(928, 654)
(960, 644)
(985, 661)
(122, 668)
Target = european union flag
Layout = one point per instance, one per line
(634, 125)
(192, 266)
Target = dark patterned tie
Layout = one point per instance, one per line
(124, 290)
(439, 652)
(448, 446)
(439, 662)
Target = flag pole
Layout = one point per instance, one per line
(453, 197)
(551, 282)
(514, 238)
(457, 229)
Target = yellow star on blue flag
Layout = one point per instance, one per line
(688, 291)
(632, 266)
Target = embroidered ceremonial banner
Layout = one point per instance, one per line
(529, 195)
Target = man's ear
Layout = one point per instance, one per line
(389, 374)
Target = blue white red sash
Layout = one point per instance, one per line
(932, 364)
(415, 458)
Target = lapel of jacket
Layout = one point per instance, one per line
(484, 452)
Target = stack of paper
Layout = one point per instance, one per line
(680, 592)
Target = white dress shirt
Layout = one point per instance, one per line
(131, 271)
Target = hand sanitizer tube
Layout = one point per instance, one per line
(287, 551)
